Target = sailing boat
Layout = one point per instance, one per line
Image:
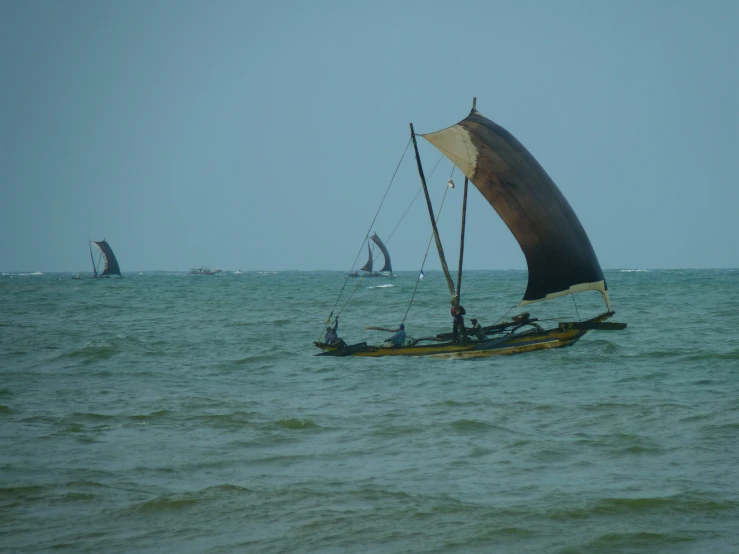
(387, 269)
(560, 258)
(111, 264)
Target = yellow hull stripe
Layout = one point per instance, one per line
(514, 346)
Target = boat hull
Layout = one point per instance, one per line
(564, 335)
(473, 349)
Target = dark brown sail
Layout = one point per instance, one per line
(558, 252)
(368, 265)
(388, 266)
(111, 264)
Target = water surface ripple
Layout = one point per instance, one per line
(165, 412)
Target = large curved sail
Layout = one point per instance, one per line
(368, 265)
(388, 266)
(111, 264)
(559, 255)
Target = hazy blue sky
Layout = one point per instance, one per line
(262, 135)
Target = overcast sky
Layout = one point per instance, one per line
(263, 134)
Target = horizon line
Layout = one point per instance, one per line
(8, 272)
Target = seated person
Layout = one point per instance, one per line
(399, 337)
(478, 331)
(331, 337)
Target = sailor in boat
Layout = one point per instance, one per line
(458, 330)
(478, 331)
(332, 338)
(398, 338)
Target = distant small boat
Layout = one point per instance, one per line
(204, 271)
(366, 269)
(111, 263)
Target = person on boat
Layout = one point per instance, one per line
(478, 331)
(331, 336)
(399, 337)
(458, 330)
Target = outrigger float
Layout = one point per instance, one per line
(560, 258)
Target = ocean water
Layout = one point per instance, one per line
(164, 412)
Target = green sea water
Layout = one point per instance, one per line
(164, 412)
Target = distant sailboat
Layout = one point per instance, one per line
(368, 266)
(111, 263)
(387, 269)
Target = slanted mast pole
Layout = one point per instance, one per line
(448, 276)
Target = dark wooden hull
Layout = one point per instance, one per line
(516, 343)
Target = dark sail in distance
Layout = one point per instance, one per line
(111, 264)
(559, 255)
(388, 266)
(368, 265)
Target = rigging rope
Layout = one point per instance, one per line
(402, 217)
(391, 234)
(420, 190)
(576, 310)
(505, 314)
(328, 319)
(428, 247)
(366, 236)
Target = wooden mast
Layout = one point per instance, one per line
(448, 276)
(461, 241)
(464, 220)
